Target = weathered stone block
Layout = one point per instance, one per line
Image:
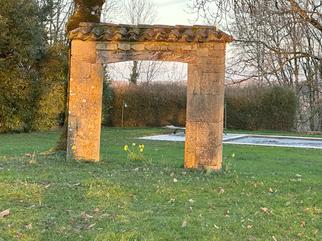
(186, 47)
(210, 108)
(203, 146)
(124, 46)
(213, 78)
(175, 47)
(111, 47)
(200, 82)
(164, 47)
(84, 51)
(153, 47)
(203, 52)
(138, 47)
(212, 61)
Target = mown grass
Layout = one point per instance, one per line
(265, 194)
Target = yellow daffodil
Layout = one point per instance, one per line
(141, 146)
(126, 148)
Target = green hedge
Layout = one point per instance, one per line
(41, 107)
(248, 108)
(256, 108)
(149, 105)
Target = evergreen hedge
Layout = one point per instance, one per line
(149, 105)
(247, 108)
(260, 108)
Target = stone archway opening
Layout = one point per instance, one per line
(201, 47)
(157, 99)
(149, 71)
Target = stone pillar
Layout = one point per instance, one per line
(84, 102)
(205, 108)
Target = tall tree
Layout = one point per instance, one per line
(21, 48)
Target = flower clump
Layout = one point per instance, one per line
(135, 153)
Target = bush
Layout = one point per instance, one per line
(149, 105)
(51, 91)
(160, 104)
(16, 110)
(255, 108)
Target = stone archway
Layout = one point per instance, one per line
(202, 47)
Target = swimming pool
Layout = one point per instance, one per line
(282, 141)
(248, 139)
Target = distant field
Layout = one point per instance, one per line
(265, 193)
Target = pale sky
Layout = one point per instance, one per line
(173, 12)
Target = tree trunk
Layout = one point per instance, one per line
(134, 74)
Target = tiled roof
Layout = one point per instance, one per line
(151, 33)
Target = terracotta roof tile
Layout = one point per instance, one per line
(151, 33)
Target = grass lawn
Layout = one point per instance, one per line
(266, 193)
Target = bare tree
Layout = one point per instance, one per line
(110, 11)
(277, 42)
(139, 11)
(55, 15)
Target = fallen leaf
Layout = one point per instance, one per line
(302, 224)
(184, 224)
(5, 213)
(216, 226)
(91, 226)
(29, 226)
(172, 200)
(85, 216)
(287, 204)
(96, 210)
(270, 190)
(265, 210)
(249, 226)
(296, 180)
(274, 238)
(175, 180)
(227, 212)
